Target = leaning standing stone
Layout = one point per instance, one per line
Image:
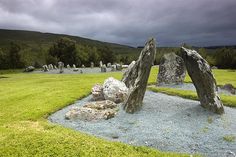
(138, 75)
(203, 80)
(171, 70)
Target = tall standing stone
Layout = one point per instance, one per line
(92, 65)
(138, 75)
(203, 80)
(103, 68)
(60, 67)
(171, 70)
(100, 64)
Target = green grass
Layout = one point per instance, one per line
(26, 101)
(222, 77)
(229, 138)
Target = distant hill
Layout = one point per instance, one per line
(32, 37)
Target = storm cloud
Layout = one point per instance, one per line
(130, 22)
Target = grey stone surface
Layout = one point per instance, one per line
(92, 65)
(97, 92)
(45, 68)
(93, 111)
(139, 75)
(103, 68)
(29, 69)
(191, 87)
(166, 123)
(203, 79)
(229, 87)
(126, 76)
(115, 90)
(171, 70)
(61, 67)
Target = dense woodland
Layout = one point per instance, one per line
(19, 49)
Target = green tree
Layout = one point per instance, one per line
(14, 56)
(107, 55)
(203, 53)
(64, 50)
(225, 58)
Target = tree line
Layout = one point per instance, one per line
(18, 55)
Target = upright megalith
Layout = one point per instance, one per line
(203, 80)
(138, 77)
(171, 70)
(60, 67)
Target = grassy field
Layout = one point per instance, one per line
(27, 99)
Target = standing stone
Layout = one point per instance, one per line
(103, 68)
(68, 66)
(108, 65)
(60, 67)
(97, 92)
(171, 70)
(203, 80)
(92, 65)
(115, 90)
(118, 67)
(45, 68)
(126, 76)
(55, 67)
(138, 75)
(50, 67)
(83, 66)
(29, 69)
(113, 67)
(100, 64)
(229, 87)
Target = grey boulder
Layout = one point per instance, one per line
(203, 80)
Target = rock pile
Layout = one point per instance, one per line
(91, 111)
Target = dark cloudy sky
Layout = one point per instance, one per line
(131, 22)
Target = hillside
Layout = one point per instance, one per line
(32, 37)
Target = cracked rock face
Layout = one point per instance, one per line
(97, 92)
(126, 76)
(137, 77)
(93, 111)
(203, 80)
(171, 70)
(115, 90)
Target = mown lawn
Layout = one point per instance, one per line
(25, 102)
(222, 77)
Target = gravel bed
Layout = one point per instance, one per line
(167, 123)
(70, 71)
(190, 86)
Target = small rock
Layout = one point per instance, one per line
(229, 87)
(93, 111)
(29, 69)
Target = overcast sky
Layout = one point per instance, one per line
(130, 22)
